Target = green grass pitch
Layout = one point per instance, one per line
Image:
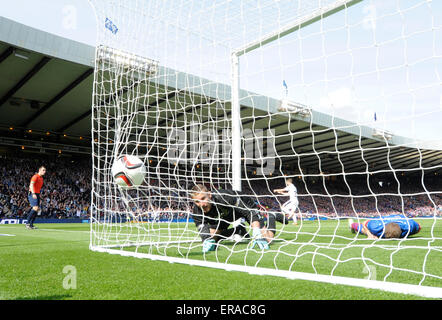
(35, 264)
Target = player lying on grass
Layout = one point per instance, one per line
(389, 227)
(215, 212)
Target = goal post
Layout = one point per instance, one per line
(246, 96)
(236, 126)
(320, 13)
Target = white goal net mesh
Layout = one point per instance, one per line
(341, 97)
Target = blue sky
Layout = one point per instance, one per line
(72, 19)
(382, 56)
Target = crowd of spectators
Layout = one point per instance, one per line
(331, 199)
(65, 193)
(67, 190)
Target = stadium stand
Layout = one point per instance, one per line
(67, 190)
(54, 126)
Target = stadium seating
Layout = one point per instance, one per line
(66, 194)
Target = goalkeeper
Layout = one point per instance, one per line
(214, 213)
(389, 227)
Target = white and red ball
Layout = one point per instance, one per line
(128, 171)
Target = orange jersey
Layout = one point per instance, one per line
(37, 180)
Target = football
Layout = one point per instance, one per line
(128, 171)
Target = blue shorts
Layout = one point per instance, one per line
(34, 202)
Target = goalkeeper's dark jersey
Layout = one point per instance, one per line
(227, 207)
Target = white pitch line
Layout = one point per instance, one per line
(60, 230)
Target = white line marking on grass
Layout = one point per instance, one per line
(61, 230)
(7, 235)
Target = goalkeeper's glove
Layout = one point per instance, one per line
(259, 240)
(262, 244)
(208, 245)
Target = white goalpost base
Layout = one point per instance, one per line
(394, 287)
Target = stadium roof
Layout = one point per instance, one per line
(46, 92)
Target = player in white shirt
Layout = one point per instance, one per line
(291, 205)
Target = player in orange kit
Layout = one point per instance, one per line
(34, 196)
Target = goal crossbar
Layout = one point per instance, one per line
(317, 15)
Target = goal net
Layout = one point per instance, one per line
(337, 100)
